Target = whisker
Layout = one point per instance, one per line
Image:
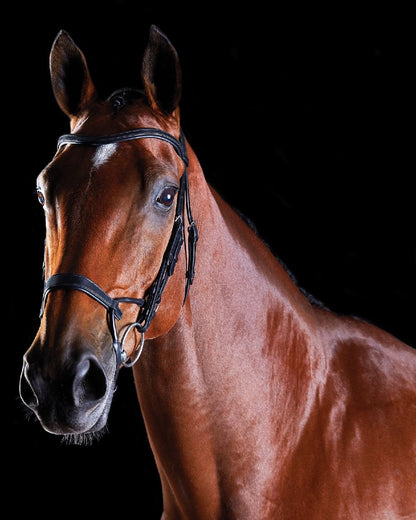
(84, 439)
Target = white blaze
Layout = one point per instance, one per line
(103, 153)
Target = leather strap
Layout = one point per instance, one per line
(129, 135)
(80, 282)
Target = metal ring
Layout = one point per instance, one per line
(138, 347)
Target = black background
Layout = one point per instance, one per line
(301, 119)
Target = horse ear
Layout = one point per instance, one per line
(71, 81)
(161, 73)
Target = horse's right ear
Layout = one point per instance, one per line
(161, 73)
(71, 81)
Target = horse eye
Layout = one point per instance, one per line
(167, 196)
(41, 197)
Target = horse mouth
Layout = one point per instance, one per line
(76, 428)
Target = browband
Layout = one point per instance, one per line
(129, 135)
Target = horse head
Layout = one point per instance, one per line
(110, 212)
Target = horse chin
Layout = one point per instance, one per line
(79, 430)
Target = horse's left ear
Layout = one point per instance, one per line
(161, 73)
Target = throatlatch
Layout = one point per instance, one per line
(150, 303)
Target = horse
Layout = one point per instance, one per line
(257, 402)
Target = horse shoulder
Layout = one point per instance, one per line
(367, 417)
(375, 369)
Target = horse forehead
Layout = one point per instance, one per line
(105, 119)
(103, 153)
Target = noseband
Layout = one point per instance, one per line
(149, 304)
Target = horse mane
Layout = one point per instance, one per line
(312, 299)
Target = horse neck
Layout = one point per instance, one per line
(241, 351)
(243, 302)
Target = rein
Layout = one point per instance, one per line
(148, 305)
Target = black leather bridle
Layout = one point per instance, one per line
(149, 304)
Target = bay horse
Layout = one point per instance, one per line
(258, 404)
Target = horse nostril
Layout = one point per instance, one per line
(26, 390)
(90, 382)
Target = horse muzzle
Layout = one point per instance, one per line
(70, 371)
(77, 400)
